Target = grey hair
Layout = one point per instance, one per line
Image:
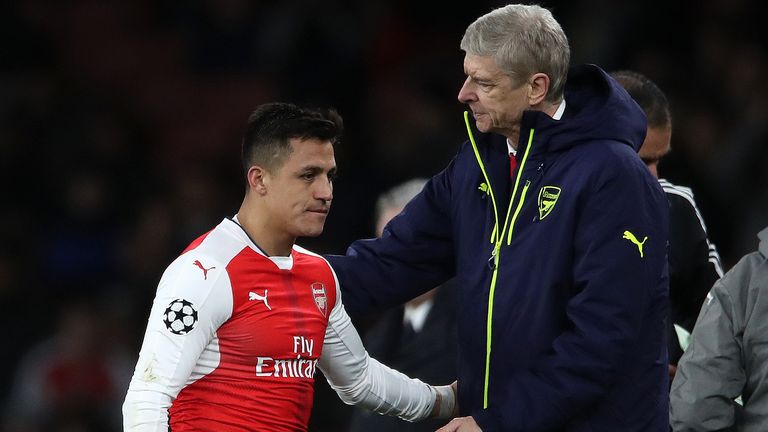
(398, 196)
(523, 40)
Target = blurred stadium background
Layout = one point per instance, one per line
(120, 124)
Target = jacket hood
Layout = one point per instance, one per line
(601, 110)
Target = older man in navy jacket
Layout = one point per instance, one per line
(556, 233)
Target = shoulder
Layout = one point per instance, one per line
(222, 244)
(202, 267)
(672, 188)
(611, 162)
(682, 201)
(683, 192)
(603, 151)
(310, 257)
(316, 263)
(742, 288)
(751, 271)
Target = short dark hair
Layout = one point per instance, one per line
(648, 95)
(271, 126)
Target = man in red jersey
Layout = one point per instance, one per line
(243, 317)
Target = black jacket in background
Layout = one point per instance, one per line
(694, 264)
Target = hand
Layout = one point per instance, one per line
(672, 372)
(461, 424)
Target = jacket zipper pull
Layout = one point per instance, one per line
(492, 259)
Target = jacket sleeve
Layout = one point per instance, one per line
(710, 374)
(413, 255)
(619, 301)
(694, 261)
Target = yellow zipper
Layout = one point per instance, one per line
(497, 240)
(517, 211)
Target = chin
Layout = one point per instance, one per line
(483, 127)
(312, 232)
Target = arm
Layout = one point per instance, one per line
(414, 254)
(169, 361)
(694, 264)
(361, 380)
(710, 374)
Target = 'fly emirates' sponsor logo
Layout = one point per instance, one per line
(290, 368)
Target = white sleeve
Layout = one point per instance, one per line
(180, 345)
(361, 380)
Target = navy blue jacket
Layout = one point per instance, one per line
(563, 328)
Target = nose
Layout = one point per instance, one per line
(466, 95)
(324, 190)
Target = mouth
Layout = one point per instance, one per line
(322, 211)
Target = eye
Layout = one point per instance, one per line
(308, 176)
(486, 86)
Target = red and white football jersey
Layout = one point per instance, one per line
(234, 338)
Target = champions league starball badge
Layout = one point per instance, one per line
(180, 317)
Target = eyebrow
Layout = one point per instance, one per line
(474, 76)
(316, 169)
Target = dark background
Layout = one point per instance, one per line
(120, 124)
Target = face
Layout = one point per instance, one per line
(496, 101)
(299, 193)
(655, 146)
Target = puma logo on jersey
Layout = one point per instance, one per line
(631, 237)
(255, 296)
(205, 270)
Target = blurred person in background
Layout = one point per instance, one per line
(556, 233)
(694, 264)
(242, 319)
(722, 378)
(74, 380)
(419, 338)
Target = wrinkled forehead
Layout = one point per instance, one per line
(477, 66)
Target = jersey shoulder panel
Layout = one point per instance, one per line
(199, 276)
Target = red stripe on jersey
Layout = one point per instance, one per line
(269, 349)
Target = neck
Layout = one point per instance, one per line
(547, 108)
(260, 229)
(513, 138)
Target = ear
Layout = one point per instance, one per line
(539, 83)
(258, 178)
